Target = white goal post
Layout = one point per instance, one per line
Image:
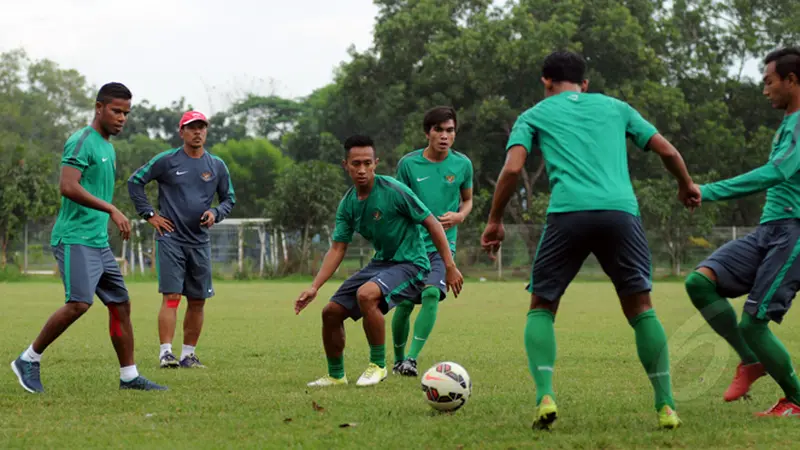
(270, 240)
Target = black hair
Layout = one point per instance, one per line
(787, 60)
(113, 90)
(358, 140)
(564, 66)
(437, 115)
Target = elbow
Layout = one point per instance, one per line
(512, 169)
(65, 189)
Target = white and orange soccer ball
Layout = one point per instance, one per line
(447, 386)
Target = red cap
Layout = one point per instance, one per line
(192, 116)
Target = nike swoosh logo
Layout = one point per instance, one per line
(429, 377)
(181, 173)
(422, 179)
(105, 159)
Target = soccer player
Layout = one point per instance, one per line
(764, 263)
(442, 179)
(386, 213)
(592, 209)
(188, 177)
(80, 242)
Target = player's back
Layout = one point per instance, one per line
(583, 139)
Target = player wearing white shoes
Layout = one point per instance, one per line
(387, 214)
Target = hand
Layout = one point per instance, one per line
(491, 238)
(208, 219)
(690, 196)
(305, 298)
(161, 224)
(454, 279)
(122, 223)
(451, 219)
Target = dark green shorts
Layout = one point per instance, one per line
(86, 271)
(762, 265)
(184, 270)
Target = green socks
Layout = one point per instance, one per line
(377, 355)
(425, 320)
(336, 367)
(719, 314)
(540, 345)
(772, 354)
(651, 345)
(422, 326)
(400, 324)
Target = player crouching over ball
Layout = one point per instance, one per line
(386, 213)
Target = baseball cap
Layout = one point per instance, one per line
(192, 116)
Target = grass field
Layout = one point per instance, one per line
(260, 356)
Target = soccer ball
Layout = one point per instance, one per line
(446, 386)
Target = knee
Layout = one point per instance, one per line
(751, 327)
(698, 285)
(332, 313)
(78, 309)
(172, 301)
(195, 304)
(368, 296)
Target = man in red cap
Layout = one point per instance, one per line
(188, 178)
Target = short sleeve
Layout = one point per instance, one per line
(402, 172)
(410, 205)
(468, 175)
(523, 131)
(637, 128)
(343, 232)
(76, 154)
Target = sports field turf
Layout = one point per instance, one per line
(260, 357)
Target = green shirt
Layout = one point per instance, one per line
(87, 151)
(388, 219)
(779, 176)
(438, 185)
(583, 140)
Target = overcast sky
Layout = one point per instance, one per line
(208, 51)
(203, 50)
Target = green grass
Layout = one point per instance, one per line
(260, 355)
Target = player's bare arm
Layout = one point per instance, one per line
(454, 278)
(494, 233)
(331, 262)
(70, 187)
(688, 192)
(451, 219)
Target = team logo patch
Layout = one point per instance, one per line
(376, 215)
(205, 176)
(450, 178)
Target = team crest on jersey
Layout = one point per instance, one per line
(376, 215)
(205, 176)
(450, 178)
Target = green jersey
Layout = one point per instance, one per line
(438, 185)
(583, 140)
(388, 219)
(779, 176)
(87, 151)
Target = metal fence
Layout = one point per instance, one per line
(255, 248)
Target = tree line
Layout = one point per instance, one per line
(680, 63)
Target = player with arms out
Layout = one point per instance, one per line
(593, 209)
(762, 265)
(386, 213)
(80, 242)
(442, 178)
(188, 178)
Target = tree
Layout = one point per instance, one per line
(676, 227)
(25, 194)
(254, 165)
(305, 198)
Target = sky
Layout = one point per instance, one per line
(208, 51)
(211, 52)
